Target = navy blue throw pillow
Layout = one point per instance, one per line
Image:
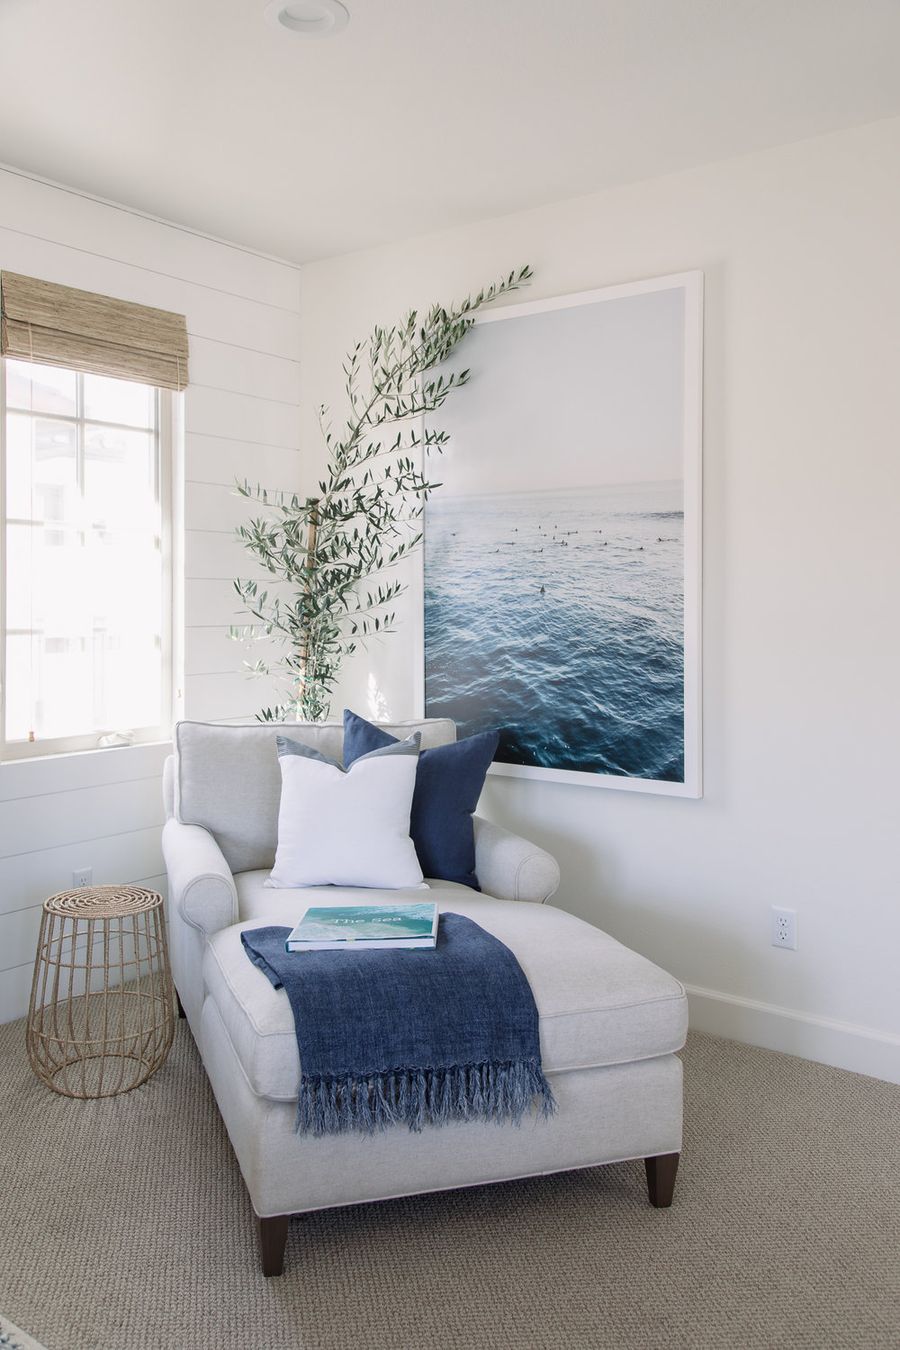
(449, 779)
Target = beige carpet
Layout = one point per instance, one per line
(14, 1338)
(124, 1225)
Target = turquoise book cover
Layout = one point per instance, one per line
(369, 924)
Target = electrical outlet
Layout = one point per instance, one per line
(84, 876)
(784, 928)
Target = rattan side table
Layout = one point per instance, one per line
(101, 1016)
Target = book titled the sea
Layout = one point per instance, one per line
(326, 929)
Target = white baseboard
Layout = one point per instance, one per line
(841, 1044)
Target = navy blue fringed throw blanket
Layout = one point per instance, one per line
(419, 1037)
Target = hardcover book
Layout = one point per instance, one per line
(326, 929)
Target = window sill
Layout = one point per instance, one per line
(57, 755)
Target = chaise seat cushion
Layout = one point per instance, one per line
(599, 1002)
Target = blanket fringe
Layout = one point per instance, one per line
(503, 1093)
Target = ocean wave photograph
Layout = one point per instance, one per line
(561, 613)
(561, 545)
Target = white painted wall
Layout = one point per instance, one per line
(104, 809)
(802, 578)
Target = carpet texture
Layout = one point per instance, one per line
(13, 1338)
(124, 1225)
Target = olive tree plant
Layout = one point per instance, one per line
(338, 551)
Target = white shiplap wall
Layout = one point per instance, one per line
(103, 810)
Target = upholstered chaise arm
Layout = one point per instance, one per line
(201, 887)
(511, 868)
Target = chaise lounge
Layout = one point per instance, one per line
(610, 1021)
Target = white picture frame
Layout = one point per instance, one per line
(690, 286)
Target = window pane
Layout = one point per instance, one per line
(41, 468)
(40, 388)
(108, 400)
(29, 569)
(119, 467)
(84, 578)
(91, 601)
(19, 666)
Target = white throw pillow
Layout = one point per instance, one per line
(346, 827)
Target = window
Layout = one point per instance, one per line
(86, 596)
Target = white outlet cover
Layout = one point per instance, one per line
(784, 928)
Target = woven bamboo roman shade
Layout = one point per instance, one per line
(58, 326)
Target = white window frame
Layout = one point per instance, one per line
(167, 414)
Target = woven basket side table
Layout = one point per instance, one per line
(101, 1015)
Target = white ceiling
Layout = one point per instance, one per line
(422, 114)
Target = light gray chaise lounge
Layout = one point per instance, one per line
(610, 1022)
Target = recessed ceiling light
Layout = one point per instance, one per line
(309, 18)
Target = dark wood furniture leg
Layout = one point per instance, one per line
(661, 1178)
(272, 1239)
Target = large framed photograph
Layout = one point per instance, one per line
(562, 578)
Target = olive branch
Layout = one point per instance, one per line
(336, 549)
